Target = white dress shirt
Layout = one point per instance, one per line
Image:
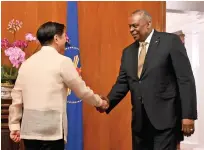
(148, 42)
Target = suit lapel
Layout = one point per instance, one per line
(152, 47)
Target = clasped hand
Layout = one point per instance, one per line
(104, 106)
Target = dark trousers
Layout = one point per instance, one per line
(150, 138)
(44, 145)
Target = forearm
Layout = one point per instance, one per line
(15, 115)
(15, 111)
(121, 87)
(74, 82)
(188, 98)
(79, 87)
(117, 93)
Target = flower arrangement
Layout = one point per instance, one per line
(15, 51)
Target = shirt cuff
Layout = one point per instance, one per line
(14, 127)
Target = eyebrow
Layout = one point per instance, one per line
(132, 23)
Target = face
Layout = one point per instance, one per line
(60, 41)
(139, 27)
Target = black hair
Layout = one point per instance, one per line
(48, 30)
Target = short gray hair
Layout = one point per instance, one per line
(143, 13)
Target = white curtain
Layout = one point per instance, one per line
(192, 24)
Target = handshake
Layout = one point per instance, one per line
(104, 106)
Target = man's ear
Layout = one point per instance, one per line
(149, 24)
(56, 38)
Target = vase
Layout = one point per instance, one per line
(6, 91)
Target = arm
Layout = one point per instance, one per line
(185, 79)
(15, 109)
(120, 89)
(76, 84)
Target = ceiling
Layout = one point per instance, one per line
(185, 5)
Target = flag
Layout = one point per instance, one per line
(74, 104)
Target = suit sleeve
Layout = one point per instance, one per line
(185, 79)
(77, 85)
(120, 88)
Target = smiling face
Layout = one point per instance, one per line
(140, 26)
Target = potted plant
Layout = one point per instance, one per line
(15, 50)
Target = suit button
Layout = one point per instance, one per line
(140, 82)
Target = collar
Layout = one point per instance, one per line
(149, 37)
(50, 48)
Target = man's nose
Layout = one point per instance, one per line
(131, 28)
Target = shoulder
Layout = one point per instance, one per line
(65, 60)
(166, 35)
(131, 47)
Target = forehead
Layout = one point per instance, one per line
(135, 19)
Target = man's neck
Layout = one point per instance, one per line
(148, 33)
(55, 47)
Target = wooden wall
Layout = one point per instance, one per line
(32, 14)
(103, 33)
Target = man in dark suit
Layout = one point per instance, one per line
(157, 72)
